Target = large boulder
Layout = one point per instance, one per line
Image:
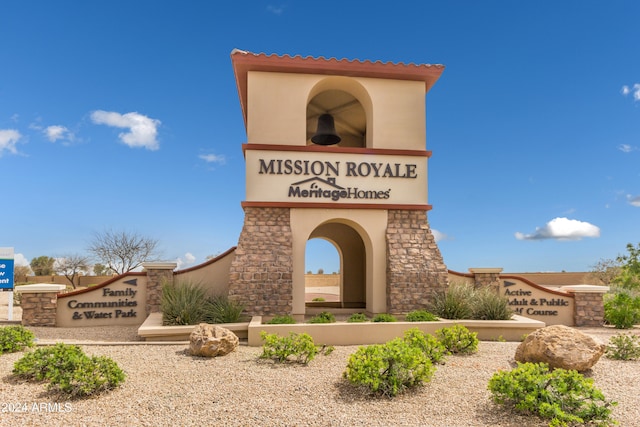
(211, 341)
(560, 347)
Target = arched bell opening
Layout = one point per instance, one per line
(349, 245)
(335, 117)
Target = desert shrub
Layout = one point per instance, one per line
(624, 347)
(326, 350)
(427, 343)
(220, 309)
(421, 316)
(358, 318)
(457, 339)
(454, 303)
(390, 368)
(15, 338)
(69, 371)
(183, 303)
(563, 396)
(284, 319)
(318, 299)
(622, 309)
(384, 317)
(324, 317)
(489, 305)
(293, 348)
(42, 363)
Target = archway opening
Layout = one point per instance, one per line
(323, 275)
(348, 287)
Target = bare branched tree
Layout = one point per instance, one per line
(70, 266)
(604, 271)
(122, 251)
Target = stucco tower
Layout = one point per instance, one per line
(366, 194)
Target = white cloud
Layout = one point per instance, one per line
(56, 132)
(635, 90)
(276, 10)
(142, 132)
(562, 229)
(633, 201)
(185, 260)
(20, 260)
(438, 235)
(8, 140)
(626, 148)
(213, 158)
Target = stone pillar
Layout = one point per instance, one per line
(486, 277)
(158, 273)
(588, 304)
(415, 268)
(39, 303)
(261, 273)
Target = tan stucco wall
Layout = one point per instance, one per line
(277, 102)
(212, 276)
(371, 226)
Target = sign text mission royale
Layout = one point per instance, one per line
(333, 169)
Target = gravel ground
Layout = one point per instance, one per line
(167, 387)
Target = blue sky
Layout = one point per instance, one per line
(124, 115)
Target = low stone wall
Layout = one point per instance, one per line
(39, 303)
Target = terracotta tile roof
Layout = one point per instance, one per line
(244, 61)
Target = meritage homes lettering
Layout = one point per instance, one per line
(328, 188)
(107, 293)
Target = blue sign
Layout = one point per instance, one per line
(6, 269)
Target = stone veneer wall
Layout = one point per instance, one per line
(261, 272)
(415, 268)
(589, 309)
(156, 277)
(39, 308)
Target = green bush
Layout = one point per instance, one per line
(454, 303)
(15, 338)
(390, 368)
(457, 339)
(384, 317)
(44, 362)
(624, 347)
(183, 303)
(358, 318)
(282, 349)
(622, 310)
(318, 299)
(324, 317)
(427, 343)
(69, 371)
(421, 316)
(285, 319)
(489, 305)
(565, 397)
(220, 309)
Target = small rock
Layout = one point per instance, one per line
(212, 341)
(560, 347)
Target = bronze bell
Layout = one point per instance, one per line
(326, 133)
